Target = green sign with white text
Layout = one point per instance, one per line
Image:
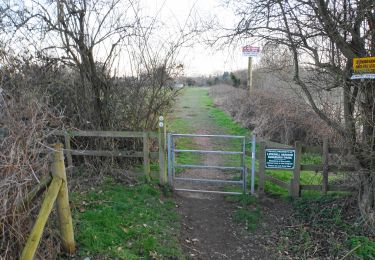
(280, 158)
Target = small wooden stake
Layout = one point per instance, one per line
(146, 156)
(63, 208)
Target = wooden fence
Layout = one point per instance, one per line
(294, 186)
(57, 191)
(57, 183)
(146, 154)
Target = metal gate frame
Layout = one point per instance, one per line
(172, 164)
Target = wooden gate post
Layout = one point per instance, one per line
(262, 168)
(296, 183)
(325, 166)
(62, 201)
(68, 153)
(146, 156)
(163, 177)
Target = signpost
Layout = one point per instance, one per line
(250, 51)
(280, 158)
(364, 68)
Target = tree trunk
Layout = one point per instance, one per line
(366, 198)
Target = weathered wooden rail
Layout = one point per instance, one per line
(294, 186)
(146, 154)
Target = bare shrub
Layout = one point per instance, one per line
(272, 115)
(23, 120)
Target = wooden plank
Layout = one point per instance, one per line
(342, 168)
(311, 187)
(329, 188)
(340, 188)
(119, 134)
(312, 149)
(146, 156)
(130, 154)
(312, 167)
(338, 150)
(270, 144)
(331, 168)
(153, 155)
(277, 182)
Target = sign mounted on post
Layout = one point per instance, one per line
(280, 158)
(364, 68)
(250, 51)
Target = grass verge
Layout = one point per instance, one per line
(114, 221)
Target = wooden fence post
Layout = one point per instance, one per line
(63, 208)
(325, 166)
(262, 168)
(146, 156)
(33, 240)
(68, 152)
(163, 178)
(296, 183)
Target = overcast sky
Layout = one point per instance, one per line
(200, 59)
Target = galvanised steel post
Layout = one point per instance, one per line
(253, 160)
(170, 179)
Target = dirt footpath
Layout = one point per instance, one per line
(208, 229)
(209, 232)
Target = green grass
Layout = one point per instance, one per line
(363, 247)
(248, 212)
(114, 221)
(196, 111)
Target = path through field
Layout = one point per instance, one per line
(209, 229)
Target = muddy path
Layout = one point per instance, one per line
(208, 228)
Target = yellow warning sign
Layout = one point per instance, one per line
(364, 65)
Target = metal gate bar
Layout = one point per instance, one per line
(172, 166)
(212, 191)
(207, 180)
(206, 151)
(208, 167)
(218, 136)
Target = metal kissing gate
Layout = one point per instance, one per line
(173, 165)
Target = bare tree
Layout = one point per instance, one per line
(324, 37)
(89, 34)
(97, 43)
